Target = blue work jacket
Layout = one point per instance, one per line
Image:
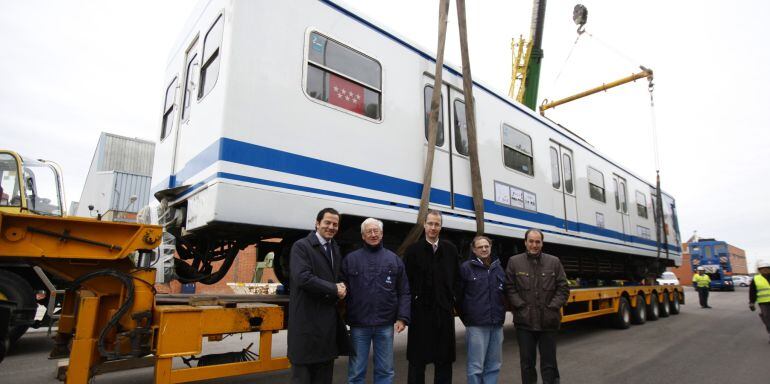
(378, 289)
(482, 293)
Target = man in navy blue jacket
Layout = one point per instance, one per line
(482, 310)
(377, 303)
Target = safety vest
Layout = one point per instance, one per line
(702, 281)
(763, 289)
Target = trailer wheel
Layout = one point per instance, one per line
(665, 306)
(675, 304)
(654, 311)
(639, 314)
(622, 318)
(16, 289)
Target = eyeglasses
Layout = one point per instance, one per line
(373, 231)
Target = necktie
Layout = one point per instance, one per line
(435, 247)
(328, 248)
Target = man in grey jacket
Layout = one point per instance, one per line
(536, 287)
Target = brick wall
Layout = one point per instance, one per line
(242, 271)
(738, 260)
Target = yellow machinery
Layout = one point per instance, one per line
(645, 73)
(521, 51)
(110, 315)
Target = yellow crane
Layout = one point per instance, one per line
(645, 73)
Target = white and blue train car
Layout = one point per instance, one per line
(274, 110)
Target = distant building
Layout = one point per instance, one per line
(737, 258)
(118, 181)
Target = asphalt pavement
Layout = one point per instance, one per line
(726, 344)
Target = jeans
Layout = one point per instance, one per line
(363, 338)
(529, 343)
(485, 348)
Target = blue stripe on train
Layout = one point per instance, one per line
(262, 157)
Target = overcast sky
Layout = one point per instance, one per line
(72, 69)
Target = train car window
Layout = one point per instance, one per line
(641, 204)
(428, 93)
(567, 167)
(623, 197)
(555, 177)
(617, 198)
(707, 251)
(212, 53)
(596, 185)
(343, 77)
(189, 87)
(517, 150)
(461, 129)
(168, 110)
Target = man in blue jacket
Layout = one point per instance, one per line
(377, 303)
(482, 310)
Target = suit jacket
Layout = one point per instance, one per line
(433, 283)
(313, 318)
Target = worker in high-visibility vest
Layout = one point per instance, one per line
(759, 292)
(701, 282)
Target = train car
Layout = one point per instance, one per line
(274, 110)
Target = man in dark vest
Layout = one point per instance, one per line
(537, 288)
(432, 267)
(315, 290)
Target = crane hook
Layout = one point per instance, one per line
(580, 17)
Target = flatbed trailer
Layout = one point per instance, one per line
(624, 305)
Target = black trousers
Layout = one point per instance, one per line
(442, 373)
(529, 343)
(703, 296)
(764, 314)
(319, 373)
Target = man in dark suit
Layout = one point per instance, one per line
(432, 267)
(315, 290)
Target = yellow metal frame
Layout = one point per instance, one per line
(605, 301)
(521, 51)
(73, 247)
(636, 76)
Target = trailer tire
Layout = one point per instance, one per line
(639, 314)
(675, 305)
(622, 318)
(653, 312)
(16, 289)
(665, 306)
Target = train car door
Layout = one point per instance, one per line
(462, 190)
(441, 184)
(563, 198)
(188, 86)
(621, 204)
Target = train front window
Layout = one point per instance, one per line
(168, 110)
(517, 150)
(9, 182)
(343, 77)
(212, 57)
(440, 126)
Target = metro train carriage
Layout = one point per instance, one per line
(274, 110)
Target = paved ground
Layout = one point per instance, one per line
(726, 344)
